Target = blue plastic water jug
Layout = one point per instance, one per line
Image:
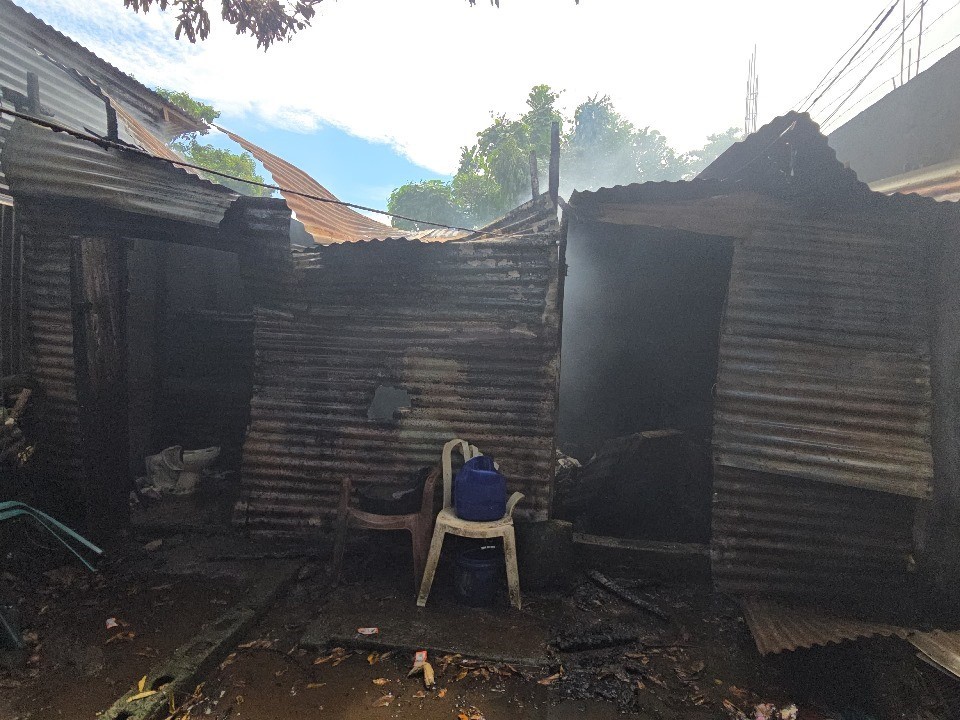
(480, 491)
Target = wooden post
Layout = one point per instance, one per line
(555, 162)
(534, 175)
(99, 289)
(33, 94)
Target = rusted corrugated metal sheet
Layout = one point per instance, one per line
(470, 329)
(940, 648)
(777, 628)
(326, 222)
(790, 536)
(42, 163)
(825, 360)
(139, 135)
(940, 182)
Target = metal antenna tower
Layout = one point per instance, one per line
(753, 85)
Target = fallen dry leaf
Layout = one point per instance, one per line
(142, 684)
(380, 681)
(142, 695)
(461, 675)
(373, 658)
(550, 680)
(442, 692)
(419, 694)
(429, 679)
(121, 637)
(383, 700)
(314, 685)
(260, 644)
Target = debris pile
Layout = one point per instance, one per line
(627, 645)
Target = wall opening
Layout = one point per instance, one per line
(387, 403)
(641, 326)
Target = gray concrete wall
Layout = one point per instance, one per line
(916, 125)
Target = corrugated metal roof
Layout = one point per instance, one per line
(777, 628)
(940, 648)
(825, 359)
(940, 182)
(140, 136)
(20, 28)
(470, 329)
(326, 222)
(43, 163)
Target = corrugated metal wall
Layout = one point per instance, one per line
(11, 292)
(48, 347)
(825, 360)
(786, 535)
(822, 421)
(470, 329)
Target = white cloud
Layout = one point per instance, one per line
(423, 75)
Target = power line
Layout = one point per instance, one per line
(107, 143)
(863, 99)
(827, 74)
(882, 58)
(888, 53)
(853, 57)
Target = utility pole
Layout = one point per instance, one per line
(753, 85)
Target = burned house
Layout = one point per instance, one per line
(379, 345)
(140, 298)
(799, 327)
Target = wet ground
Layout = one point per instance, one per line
(572, 652)
(74, 665)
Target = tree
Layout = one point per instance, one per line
(697, 160)
(601, 148)
(194, 108)
(240, 165)
(431, 199)
(267, 20)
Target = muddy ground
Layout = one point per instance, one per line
(700, 663)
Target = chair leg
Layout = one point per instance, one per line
(513, 572)
(421, 548)
(432, 559)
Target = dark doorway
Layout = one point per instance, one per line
(641, 325)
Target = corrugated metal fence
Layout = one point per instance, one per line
(469, 329)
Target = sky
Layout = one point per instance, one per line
(380, 92)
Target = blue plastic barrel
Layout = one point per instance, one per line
(480, 491)
(477, 575)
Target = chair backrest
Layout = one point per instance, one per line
(467, 451)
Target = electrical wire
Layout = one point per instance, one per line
(878, 44)
(827, 74)
(883, 58)
(853, 57)
(836, 123)
(839, 102)
(106, 143)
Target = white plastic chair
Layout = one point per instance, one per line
(448, 522)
